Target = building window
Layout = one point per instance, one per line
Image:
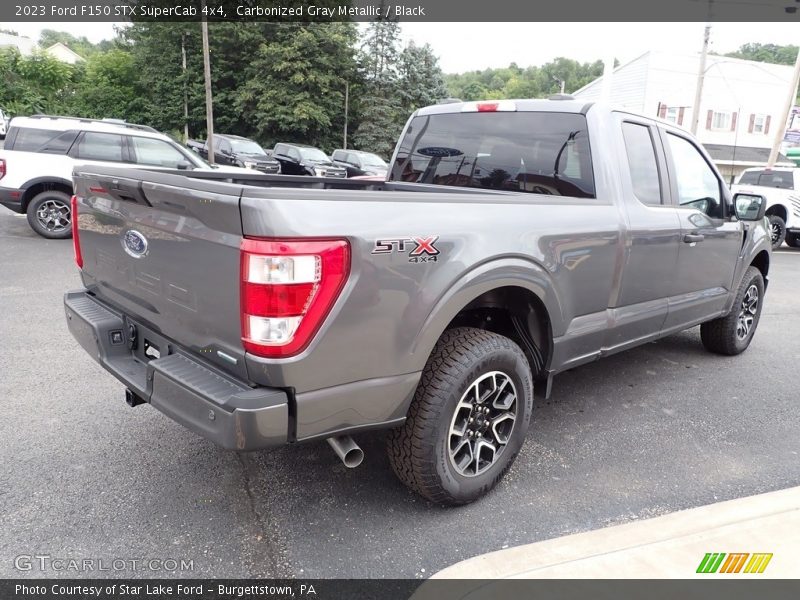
(760, 123)
(672, 114)
(721, 121)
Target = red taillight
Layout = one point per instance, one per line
(76, 242)
(2, 167)
(287, 289)
(488, 106)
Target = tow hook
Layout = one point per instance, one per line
(132, 399)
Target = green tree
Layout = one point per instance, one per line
(421, 81)
(769, 53)
(34, 84)
(295, 83)
(381, 113)
(108, 88)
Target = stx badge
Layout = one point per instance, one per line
(419, 249)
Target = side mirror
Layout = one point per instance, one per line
(749, 207)
(183, 165)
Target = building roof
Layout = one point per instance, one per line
(741, 154)
(24, 44)
(64, 50)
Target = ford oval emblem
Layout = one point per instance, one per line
(134, 243)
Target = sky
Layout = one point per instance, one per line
(468, 46)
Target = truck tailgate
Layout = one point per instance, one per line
(165, 252)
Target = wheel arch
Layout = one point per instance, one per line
(761, 262)
(514, 297)
(34, 187)
(778, 210)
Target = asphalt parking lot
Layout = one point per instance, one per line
(647, 432)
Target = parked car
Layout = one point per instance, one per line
(515, 240)
(358, 163)
(299, 159)
(781, 188)
(41, 151)
(237, 151)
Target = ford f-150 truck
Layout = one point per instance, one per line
(514, 240)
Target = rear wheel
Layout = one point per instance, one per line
(468, 418)
(50, 215)
(733, 333)
(793, 239)
(777, 230)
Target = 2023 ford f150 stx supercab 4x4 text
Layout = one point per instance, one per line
(514, 240)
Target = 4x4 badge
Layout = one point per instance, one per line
(134, 243)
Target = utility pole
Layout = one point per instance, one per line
(780, 130)
(185, 91)
(207, 76)
(701, 73)
(346, 110)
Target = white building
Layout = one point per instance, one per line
(27, 46)
(23, 44)
(62, 52)
(740, 107)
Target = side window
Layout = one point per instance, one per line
(100, 146)
(353, 160)
(698, 186)
(279, 149)
(61, 144)
(156, 153)
(225, 146)
(642, 162)
(29, 139)
(293, 153)
(340, 156)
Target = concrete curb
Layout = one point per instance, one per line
(671, 546)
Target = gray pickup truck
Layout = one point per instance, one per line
(513, 240)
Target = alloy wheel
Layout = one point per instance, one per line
(747, 313)
(54, 216)
(482, 423)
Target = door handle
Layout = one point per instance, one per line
(691, 238)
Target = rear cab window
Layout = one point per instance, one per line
(535, 152)
(775, 179)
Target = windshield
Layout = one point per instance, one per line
(536, 152)
(373, 160)
(313, 154)
(246, 147)
(775, 179)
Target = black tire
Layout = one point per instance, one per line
(777, 227)
(464, 359)
(793, 239)
(725, 334)
(49, 215)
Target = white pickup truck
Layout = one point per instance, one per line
(781, 188)
(41, 151)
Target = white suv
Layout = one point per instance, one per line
(40, 152)
(781, 188)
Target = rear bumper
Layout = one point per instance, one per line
(202, 398)
(11, 198)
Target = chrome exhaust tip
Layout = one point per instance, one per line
(347, 450)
